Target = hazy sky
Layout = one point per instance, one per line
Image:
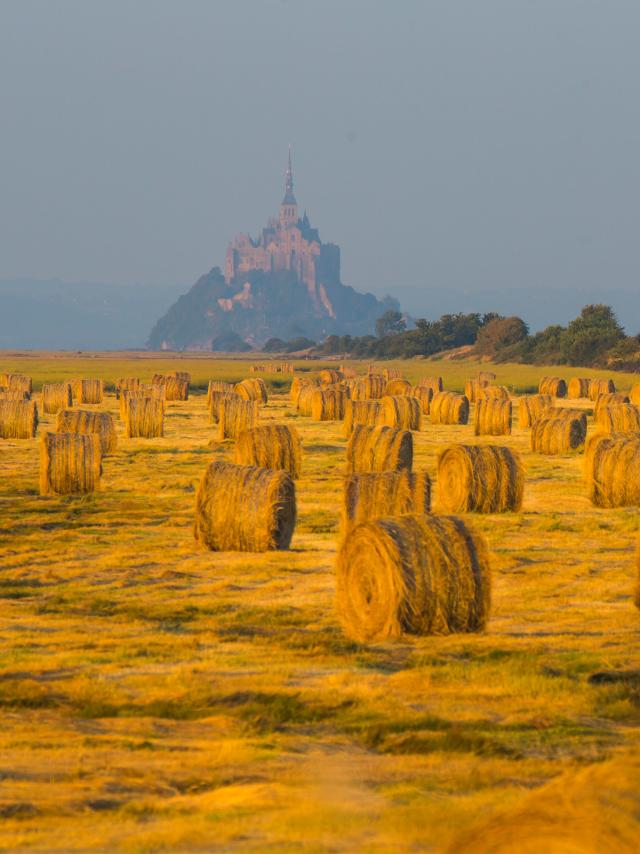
(447, 145)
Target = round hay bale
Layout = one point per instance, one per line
(70, 463)
(533, 406)
(298, 383)
(175, 388)
(392, 374)
(605, 400)
(56, 396)
(253, 388)
(151, 391)
(327, 404)
(473, 390)
(612, 469)
(368, 388)
(18, 419)
(424, 396)
(434, 383)
(594, 810)
(396, 388)
(144, 417)
(216, 399)
(218, 385)
(270, 446)
(127, 384)
(447, 407)
(245, 508)
(182, 375)
(11, 394)
(486, 377)
(412, 575)
(16, 382)
(555, 386)
(379, 448)
(493, 392)
(634, 395)
(599, 387)
(366, 412)
(480, 479)
(348, 373)
(493, 418)
(235, 416)
(305, 398)
(83, 421)
(86, 391)
(619, 418)
(578, 388)
(403, 413)
(387, 493)
(329, 376)
(558, 434)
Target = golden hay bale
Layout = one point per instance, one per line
(379, 448)
(236, 415)
(270, 446)
(368, 388)
(305, 398)
(598, 387)
(486, 377)
(558, 434)
(473, 389)
(609, 399)
(328, 404)
(619, 418)
(127, 384)
(392, 374)
(636, 595)
(216, 399)
(493, 418)
(594, 810)
(555, 386)
(395, 388)
(403, 413)
(424, 396)
(578, 388)
(245, 508)
(415, 575)
(70, 463)
(217, 385)
(14, 394)
(434, 383)
(533, 406)
(145, 391)
(447, 407)
(365, 412)
(175, 388)
(83, 421)
(480, 479)
(493, 392)
(348, 373)
(182, 375)
(298, 383)
(18, 419)
(386, 493)
(612, 469)
(56, 396)
(16, 382)
(87, 391)
(144, 417)
(253, 388)
(329, 376)
(634, 394)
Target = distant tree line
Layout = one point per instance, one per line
(593, 339)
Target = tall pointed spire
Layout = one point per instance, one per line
(289, 198)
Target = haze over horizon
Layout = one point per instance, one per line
(458, 152)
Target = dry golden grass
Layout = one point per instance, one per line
(161, 697)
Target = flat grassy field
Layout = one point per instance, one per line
(158, 697)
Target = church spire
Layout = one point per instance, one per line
(289, 206)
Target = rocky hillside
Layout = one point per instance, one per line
(214, 315)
